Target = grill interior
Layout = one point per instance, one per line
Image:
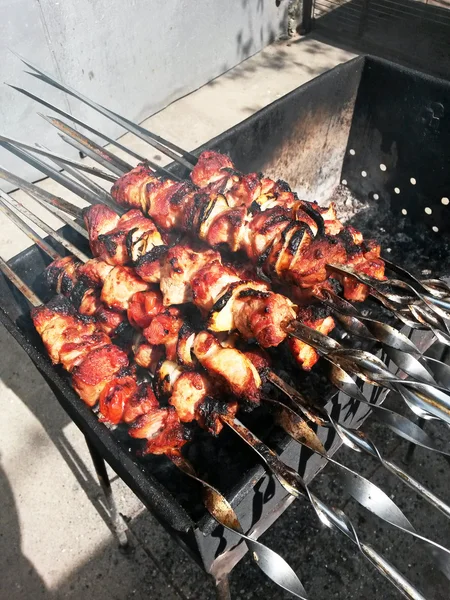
(386, 115)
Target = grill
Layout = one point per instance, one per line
(367, 131)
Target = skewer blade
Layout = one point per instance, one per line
(426, 398)
(101, 194)
(19, 283)
(421, 284)
(61, 215)
(336, 519)
(20, 223)
(158, 168)
(66, 161)
(56, 175)
(74, 119)
(271, 563)
(111, 159)
(296, 427)
(45, 227)
(407, 429)
(164, 146)
(35, 191)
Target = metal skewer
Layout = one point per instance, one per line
(89, 191)
(164, 146)
(90, 148)
(38, 192)
(363, 364)
(41, 243)
(70, 184)
(67, 161)
(5, 199)
(108, 139)
(271, 563)
(363, 491)
(331, 517)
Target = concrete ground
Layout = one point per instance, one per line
(54, 537)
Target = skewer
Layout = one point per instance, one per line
(89, 191)
(397, 423)
(86, 181)
(292, 422)
(67, 161)
(132, 127)
(5, 199)
(273, 565)
(295, 485)
(218, 506)
(393, 516)
(90, 148)
(360, 441)
(38, 192)
(108, 139)
(164, 146)
(34, 237)
(56, 175)
(364, 364)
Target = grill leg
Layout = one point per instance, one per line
(223, 588)
(117, 522)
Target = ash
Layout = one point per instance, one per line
(347, 205)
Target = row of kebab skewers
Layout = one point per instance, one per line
(210, 273)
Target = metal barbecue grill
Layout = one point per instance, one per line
(367, 130)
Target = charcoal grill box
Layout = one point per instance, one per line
(396, 124)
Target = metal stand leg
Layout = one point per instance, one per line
(223, 588)
(412, 447)
(117, 522)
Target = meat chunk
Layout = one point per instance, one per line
(263, 316)
(115, 397)
(162, 430)
(188, 392)
(229, 366)
(96, 371)
(180, 265)
(143, 307)
(120, 286)
(211, 166)
(140, 403)
(99, 219)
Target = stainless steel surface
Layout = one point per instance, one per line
(270, 563)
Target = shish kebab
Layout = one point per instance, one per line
(87, 284)
(169, 441)
(107, 361)
(121, 234)
(383, 374)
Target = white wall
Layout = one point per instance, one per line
(134, 56)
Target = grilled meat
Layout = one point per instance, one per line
(292, 240)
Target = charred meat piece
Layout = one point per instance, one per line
(231, 368)
(96, 371)
(115, 397)
(120, 286)
(61, 275)
(180, 265)
(162, 430)
(143, 307)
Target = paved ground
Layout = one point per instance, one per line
(55, 542)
